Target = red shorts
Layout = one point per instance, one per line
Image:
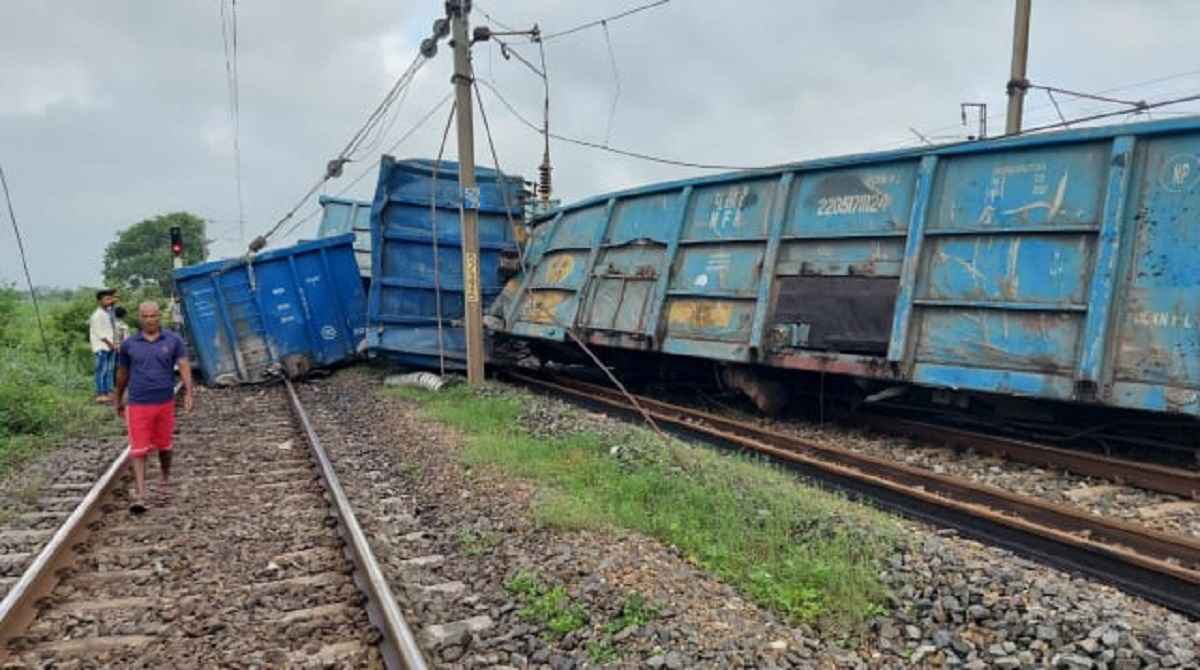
(150, 427)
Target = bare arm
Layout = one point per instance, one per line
(185, 373)
(122, 383)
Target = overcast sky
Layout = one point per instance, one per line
(111, 112)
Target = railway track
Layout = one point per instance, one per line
(257, 560)
(1154, 565)
(1149, 476)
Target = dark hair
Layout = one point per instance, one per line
(103, 292)
(120, 312)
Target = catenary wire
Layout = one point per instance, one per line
(612, 59)
(1036, 108)
(433, 231)
(621, 152)
(504, 191)
(597, 22)
(229, 39)
(37, 311)
(346, 155)
(373, 166)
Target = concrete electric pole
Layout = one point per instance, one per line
(1017, 83)
(464, 116)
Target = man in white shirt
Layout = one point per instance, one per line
(103, 336)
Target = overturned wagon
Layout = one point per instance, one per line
(1061, 266)
(283, 311)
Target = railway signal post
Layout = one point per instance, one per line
(464, 115)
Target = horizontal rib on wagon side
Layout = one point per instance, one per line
(1063, 266)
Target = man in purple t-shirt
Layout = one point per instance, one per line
(146, 365)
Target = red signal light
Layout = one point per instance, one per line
(177, 241)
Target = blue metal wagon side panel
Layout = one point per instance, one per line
(342, 215)
(1058, 265)
(417, 258)
(1157, 358)
(245, 318)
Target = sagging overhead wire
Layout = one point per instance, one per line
(622, 152)
(373, 166)
(612, 59)
(349, 153)
(37, 311)
(603, 21)
(229, 38)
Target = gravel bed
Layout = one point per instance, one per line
(958, 603)
(416, 500)
(50, 482)
(953, 603)
(241, 569)
(1161, 511)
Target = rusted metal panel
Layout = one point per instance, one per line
(735, 211)
(1034, 268)
(1159, 331)
(1000, 339)
(707, 319)
(1054, 186)
(850, 314)
(855, 201)
(727, 269)
(858, 257)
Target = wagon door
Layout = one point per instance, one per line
(620, 298)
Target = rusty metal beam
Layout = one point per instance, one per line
(1143, 475)
(399, 646)
(19, 607)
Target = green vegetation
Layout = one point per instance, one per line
(803, 552)
(476, 544)
(548, 606)
(140, 257)
(635, 612)
(44, 401)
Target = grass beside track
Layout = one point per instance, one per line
(45, 400)
(806, 553)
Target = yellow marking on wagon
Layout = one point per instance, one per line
(560, 268)
(700, 314)
(540, 306)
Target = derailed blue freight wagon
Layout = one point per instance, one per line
(283, 311)
(1060, 266)
(415, 307)
(342, 215)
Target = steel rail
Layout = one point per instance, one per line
(1154, 565)
(399, 646)
(19, 606)
(1148, 476)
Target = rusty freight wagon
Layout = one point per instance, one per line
(1061, 266)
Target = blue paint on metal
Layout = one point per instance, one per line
(1104, 274)
(342, 215)
(410, 278)
(246, 316)
(902, 316)
(674, 222)
(1060, 265)
(767, 281)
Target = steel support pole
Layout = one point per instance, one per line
(464, 117)
(1020, 57)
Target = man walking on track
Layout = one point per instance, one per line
(103, 337)
(145, 365)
